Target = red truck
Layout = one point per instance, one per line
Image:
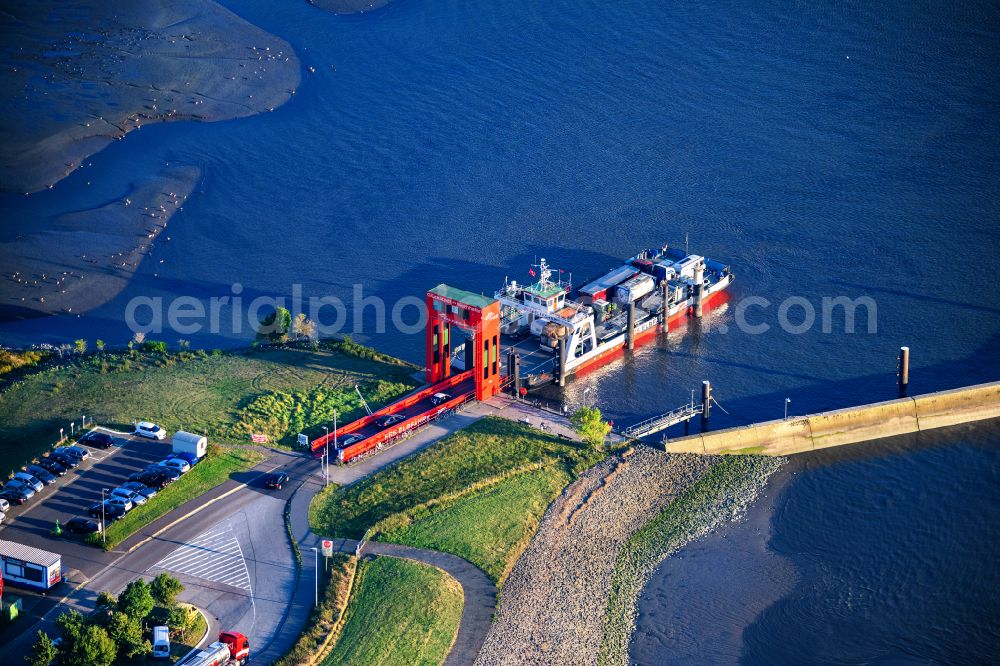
(231, 648)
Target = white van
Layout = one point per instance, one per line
(161, 643)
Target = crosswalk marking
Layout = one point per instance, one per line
(214, 556)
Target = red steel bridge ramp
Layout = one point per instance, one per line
(447, 307)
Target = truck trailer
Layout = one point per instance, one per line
(232, 648)
(190, 446)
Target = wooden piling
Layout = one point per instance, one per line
(706, 403)
(631, 325)
(903, 371)
(699, 289)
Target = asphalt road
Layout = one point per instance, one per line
(252, 513)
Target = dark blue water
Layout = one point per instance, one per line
(821, 149)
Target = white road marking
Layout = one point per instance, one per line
(213, 556)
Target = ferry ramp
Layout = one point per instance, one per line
(414, 411)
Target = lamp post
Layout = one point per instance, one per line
(787, 400)
(104, 538)
(334, 444)
(316, 553)
(325, 459)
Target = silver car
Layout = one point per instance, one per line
(30, 481)
(131, 496)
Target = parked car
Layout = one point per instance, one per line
(17, 484)
(77, 452)
(135, 498)
(16, 496)
(151, 479)
(4, 505)
(150, 430)
(29, 481)
(42, 474)
(64, 459)
(190, 458)
(275, 480)
(111, 511)
(53, 466)
(347, 440)
(123, 502)
(179, 464)
(388, 420)
(3, 516)
(140, 489)
(80, 525)
(172, 472)
(440, 398)
(98, 439)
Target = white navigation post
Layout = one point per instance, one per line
(316, 553)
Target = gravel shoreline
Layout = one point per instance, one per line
(554, 605)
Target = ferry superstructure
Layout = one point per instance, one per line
(558, 332)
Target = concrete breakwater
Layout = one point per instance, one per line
(851, 425)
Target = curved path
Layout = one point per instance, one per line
(479, 592)
(479, 602)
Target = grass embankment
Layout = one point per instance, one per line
(401, 612)
(489, 527)
(215, 469)
(224, 395)
(722, 493)
(325, 621)
(478, 493)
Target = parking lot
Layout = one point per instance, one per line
(71, 495)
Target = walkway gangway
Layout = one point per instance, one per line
(663, 421)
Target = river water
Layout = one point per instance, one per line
(821, 149)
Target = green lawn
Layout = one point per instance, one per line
(215, 469)
(489, 527)
(490, 448)
(222, 395)
(401, 612)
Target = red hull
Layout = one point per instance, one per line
(676, 321)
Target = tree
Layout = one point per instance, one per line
(99, 344)
(303, 327)
(106, 601)
(80, 346)
(43, 652)
(126, 632)
(275, 326)
(136, 600)
(165, 589)
(71, 625)
(178, 619)
(93, 648)
(588, 424)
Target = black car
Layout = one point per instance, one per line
(388, 420)
(347, 440)
(99, 439)
(140, 488)
(150, 479)
(13, 495)
(80, 525)
(111, 511)
(53, 466)
(275, 480)
(42, 474)
(65, 459)
(172, 472)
